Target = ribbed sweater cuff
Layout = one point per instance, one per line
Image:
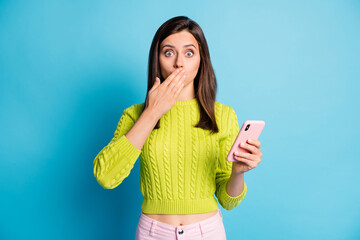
(121, 166)
(230, 201)
(127, 148)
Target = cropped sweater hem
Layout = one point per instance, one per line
(191, 206)
(186, 206)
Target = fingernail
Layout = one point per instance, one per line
(177, 70)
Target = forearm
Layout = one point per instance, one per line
(235, 185)
(142, 128)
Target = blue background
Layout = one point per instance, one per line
(69, 68)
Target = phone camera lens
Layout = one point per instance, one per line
(247, 127)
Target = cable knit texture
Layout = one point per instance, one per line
(181, 166)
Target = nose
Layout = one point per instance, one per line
(179, 62)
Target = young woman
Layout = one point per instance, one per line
(182, 135)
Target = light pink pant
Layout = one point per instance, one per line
(211, 229)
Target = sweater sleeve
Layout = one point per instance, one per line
(224, 169)
(115, 161)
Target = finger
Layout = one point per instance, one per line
(178, 78)
(248, 156)
(176, 86)
(156, 84)
(255, 142)
(249, 147)
(179, 90)
(172, 76)
(244, 160)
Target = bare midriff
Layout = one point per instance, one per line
(182, 219)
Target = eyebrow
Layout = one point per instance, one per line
(188, 45)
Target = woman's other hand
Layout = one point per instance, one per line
(247, 161)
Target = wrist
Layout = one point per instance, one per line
(237, 172)
(151, 114)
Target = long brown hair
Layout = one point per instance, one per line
(205, 85)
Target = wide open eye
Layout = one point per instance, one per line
(168, 51)
(192, 53)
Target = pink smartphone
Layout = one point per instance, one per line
(250, 129)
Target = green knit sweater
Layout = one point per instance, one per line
(181, 167)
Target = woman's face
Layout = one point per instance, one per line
(180, 50)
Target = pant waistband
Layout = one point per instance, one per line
(204, 225)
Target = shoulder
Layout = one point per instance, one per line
(223, 110)
(134, 111)
(226, 119)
